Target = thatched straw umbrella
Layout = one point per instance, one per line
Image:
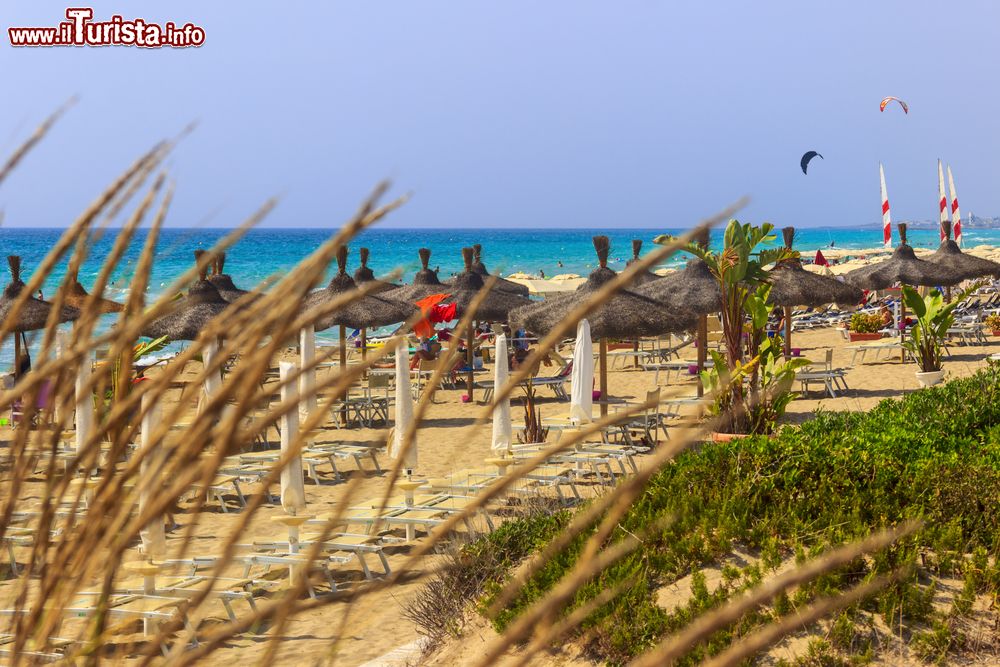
(645, 276)
(495, 307)
(33, 315)
(201, 304)
(424, 284)
(791, 285)
(627, 314)
(223, 281)
(904, 268)
(364, 311)
(501, 284)
(694, 289)
(76, 296)
(951, 256)
(364, 275)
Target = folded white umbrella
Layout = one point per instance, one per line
(213, 381)
(307, 381)
(84, 403)
(404, 410)
(293, 489)
(153, 536)
(582, 379)
(503, 432)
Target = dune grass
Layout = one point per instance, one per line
(933, 455)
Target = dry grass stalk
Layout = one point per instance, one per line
(675, 646)
(39, 134)
(92, 544)
(771, 634)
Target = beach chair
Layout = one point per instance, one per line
(603, 465)
(830, 377)
(55, 653)
(649, 422)
(357, 545)
(557, 382)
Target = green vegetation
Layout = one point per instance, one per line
(934, 318)
(865, 323)
(741, 271)
(934, 454)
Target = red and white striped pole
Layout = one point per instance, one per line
(942, 204)
(886, 218)
(956, 214)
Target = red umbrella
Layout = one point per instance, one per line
(428, 305)
(820, 259)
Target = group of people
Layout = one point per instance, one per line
(430, 348)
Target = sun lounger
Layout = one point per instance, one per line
(356, 546)
(831, 378)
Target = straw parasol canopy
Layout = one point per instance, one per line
(497, 304)
(76, 296)
(200, 305)
(34, 314)
(365, 275)
(501, 284)
(791, 285)
(424, 284)
(627, 314)
(223, 282)
(903, 267)
(951, 256)
(695, 289)
(642, 277)
(364, 311)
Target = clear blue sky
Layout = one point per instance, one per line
(519, 113)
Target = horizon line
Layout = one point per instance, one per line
(433, 228)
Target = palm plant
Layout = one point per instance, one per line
(740, 269)
(934, 318)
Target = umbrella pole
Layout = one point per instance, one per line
(364, 344)
(343, 369)
(788, 332)
(702, 342)
(468, 360)
(902, 330)
(603, 347)
(17, 355)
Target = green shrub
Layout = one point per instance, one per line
(934, 455)
(865, 323)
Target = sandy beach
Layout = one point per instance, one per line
(450, 440)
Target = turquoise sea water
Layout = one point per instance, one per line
(267, 252)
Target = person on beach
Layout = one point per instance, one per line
(426, 351)
(886, 316)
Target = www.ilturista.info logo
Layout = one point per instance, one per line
(81, 30)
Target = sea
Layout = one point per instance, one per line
(264, 253)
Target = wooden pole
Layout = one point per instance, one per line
(788, 332)
(702, 342)
(343, 369)
(17, 356)
(468, 360)
(902, 325)
(603, 347)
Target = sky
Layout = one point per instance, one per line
(517, 114)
